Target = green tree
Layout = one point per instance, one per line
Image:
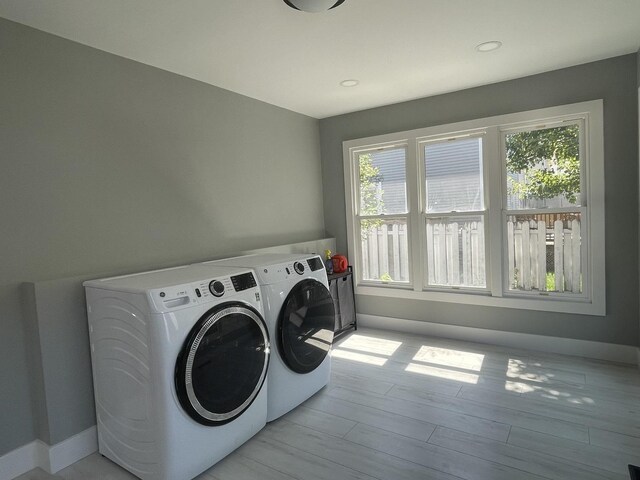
(549, 159)
(371, 202)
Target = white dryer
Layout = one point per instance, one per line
(301, 318)
(180, 359)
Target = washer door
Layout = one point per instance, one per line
(223, 364)
(305, 326)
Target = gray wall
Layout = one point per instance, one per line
(613, 80)
(112, 165)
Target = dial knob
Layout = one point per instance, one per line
(216, 288)
(299, 268)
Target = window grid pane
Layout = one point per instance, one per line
(545, 252)
(384, 250)
(454, 175)
(456, 251)
(383, 183)
(543, 168)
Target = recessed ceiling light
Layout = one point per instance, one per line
(489, 46)
(349, 83)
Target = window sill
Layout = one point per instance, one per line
(546, 304)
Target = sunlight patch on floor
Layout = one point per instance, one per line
(450, 358)
(442, 373)
(358, 357)
(516, 387)
(363, 343)
(518, 369)
(557, 394)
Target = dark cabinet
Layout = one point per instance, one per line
(342, 293)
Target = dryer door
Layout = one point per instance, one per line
(305, 326)
(222, 364)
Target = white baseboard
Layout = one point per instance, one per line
(566, 346)
(19, 461)
(50, 458)
(69, 451)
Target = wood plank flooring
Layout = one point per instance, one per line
(403, 407)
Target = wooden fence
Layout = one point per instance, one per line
(527, 243)
(384, 252)
(456, 254)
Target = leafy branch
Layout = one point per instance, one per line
(549, 160)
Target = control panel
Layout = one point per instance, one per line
(183, 295)
(282, 271)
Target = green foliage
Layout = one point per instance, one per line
(551, 282)
(371, 202)
(549, 159)
(370, 198)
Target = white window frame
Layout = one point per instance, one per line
(592, 302)
(421, 143)
(358, 217)
(581, 121)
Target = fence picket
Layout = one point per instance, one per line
(526, 263)
(383, 252)
(373, 253)
(558, 260)
(430, 254)
(455, 254)
(481, 256)
(395, 274)
(542, 256)
(532, 253)
(517, 246)
(404, 254)
(568, 261)
(466, 254)
(510, 254)
(365, 256)
(474, 254)
(448, 264)
(441, 272)
(575, 254)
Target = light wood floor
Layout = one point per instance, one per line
(406, 407)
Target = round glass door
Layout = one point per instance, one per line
(305, 326)
(223, 364)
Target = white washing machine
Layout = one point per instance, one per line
(301, 318)
(180, 359)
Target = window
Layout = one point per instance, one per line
(455, 213)
(503, 211)
(382, 214)
(543, 195)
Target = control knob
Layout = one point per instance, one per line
(216, 288)
(299, 268)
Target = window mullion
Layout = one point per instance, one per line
(415, 193)
(494, 182)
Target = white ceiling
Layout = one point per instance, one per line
(398, 49)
